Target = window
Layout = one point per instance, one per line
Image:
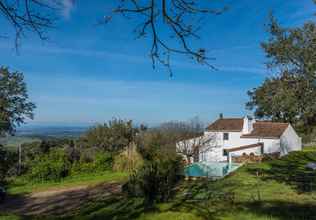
(226, 136)
(225, 153)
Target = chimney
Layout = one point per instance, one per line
(221, 116)
(248, 124)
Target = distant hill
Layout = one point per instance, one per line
(31, 134)
(52, 131)
(15, 141)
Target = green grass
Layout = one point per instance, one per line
(243, 195)
(22, 185)
(169, 215)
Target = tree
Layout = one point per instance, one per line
(290, 96)
(15, 106)
(116, 135)
(276, 99)
(181, 21)
(7, 161)
(188, 137)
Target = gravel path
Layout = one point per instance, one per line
(58, 201)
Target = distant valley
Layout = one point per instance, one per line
(37, 133)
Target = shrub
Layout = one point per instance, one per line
(7, 161)
(156, 179)
(113, 136)
(52, 166)
(102, 161)
(128, 160)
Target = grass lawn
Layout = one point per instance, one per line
(244, 195)
(22, 185)
(265, 191)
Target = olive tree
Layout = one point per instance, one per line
(15, 106)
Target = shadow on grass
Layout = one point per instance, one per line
(290, 169)
(205, 199)
(282, 210)
(114, 207)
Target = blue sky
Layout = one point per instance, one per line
(87, 73)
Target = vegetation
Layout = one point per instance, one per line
(7, 161)
(156, 179)
(245, 194)
(22, 185)
(290, 96)
(128, 160)
(250, 193)
(115, 135)
(14, 104)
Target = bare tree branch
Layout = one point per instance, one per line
(30, 15)
(181, 18)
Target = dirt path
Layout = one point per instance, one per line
(58, 201)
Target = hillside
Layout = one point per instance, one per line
(269, 190)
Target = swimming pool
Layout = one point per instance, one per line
(210, 169)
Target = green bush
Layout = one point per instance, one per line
(102, 162)
(7, 161)
(52, 166)
(156, 179)
(127, 161)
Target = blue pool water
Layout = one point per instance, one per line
(210, 169)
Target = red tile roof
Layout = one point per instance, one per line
(263, 129)
(227, 124)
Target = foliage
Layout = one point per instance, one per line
(290, 96)
(52, 166)
(280, 201)
(33, 150)
(276, 98)
(156, 179)
(14, 104)
(128, 160)
(102, 161)
(113, 136)
(7, 161)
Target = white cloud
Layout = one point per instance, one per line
(68, 6)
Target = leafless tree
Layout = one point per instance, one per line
(170, 24)
(30, 15)
(189, 137)
(181, 18)
(192, 147)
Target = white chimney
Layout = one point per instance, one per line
(248, 125)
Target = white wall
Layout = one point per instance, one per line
(290, 141)
(270, 145)
(234, 139)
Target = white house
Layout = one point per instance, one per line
(229, 137)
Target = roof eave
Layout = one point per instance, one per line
(225, 130)
(260, 137)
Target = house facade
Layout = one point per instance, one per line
(233, 137)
